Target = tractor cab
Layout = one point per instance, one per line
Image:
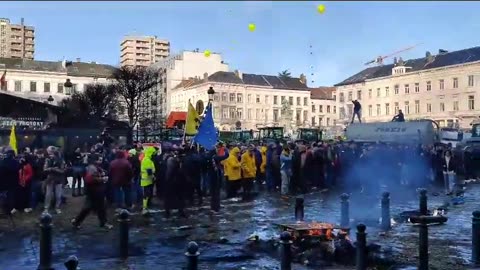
(309, 134)
(271, 133)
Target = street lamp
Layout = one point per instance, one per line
(50, 99)
(68, 87)
(211, 93)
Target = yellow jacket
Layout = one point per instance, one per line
(263, 165)
(232, 166)
(147, 165)
(249, 167)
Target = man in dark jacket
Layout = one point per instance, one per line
(192, 167)
(399, 117)
(137, 190)
(175, 184)
(9, 169)
(121, 175)
(357, 110)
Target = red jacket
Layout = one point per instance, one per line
(121, 172)
(25, 175)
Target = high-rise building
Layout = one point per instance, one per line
(16, 40)
(143, 50)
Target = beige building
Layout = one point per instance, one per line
(38, 80)
(443, 87)
(254, 100)
(143, 50)
(16, 40)
(323, 110)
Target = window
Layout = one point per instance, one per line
(417, 106)
(216, 96)
(471, 103)
(18, 86)
(290, 101)
(46, 87)
(455, 82)
(407, 89)
(396, 89)
(267, 112)
(369, 110)
(249, 114)
(378, 92)
(328, 121)
(283, 99)
(216, 112)
(60, 88)
(5, 86)
(305, 101)
(442, 106)
(239, 113)
(387, 91)
(407, 107)
(313, 121)
(429, 108)
(455, 105)
(429, 86)
(359, 94)
(320, 108)
(328, 108)
(275, 115)
(350, 109)
(396, 107)
(224, 97)
(258, 115)
(233, 113)
(350, 96)
(275, 100)
(232, 97)
(298, 101)
(342, 97)
(33, 86)
(387, 108)
(249, 98)
(313, 108)
(335, 109)
(305, 115)
(470, 81)
(441, 84)
(239, 98)
(369, 93)
(379, 110)
(257, 98)
(417, 87)
(224, 112)
(74, 88)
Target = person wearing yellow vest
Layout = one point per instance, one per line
(147, 174)
(249, 170)
(233, 172)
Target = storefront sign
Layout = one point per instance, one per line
(7, 122)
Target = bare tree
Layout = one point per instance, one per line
(131, 84)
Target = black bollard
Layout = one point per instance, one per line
(386, 223)
(192, 256)
(345, 211)
(476, 238)
(299, 209)
(71, 263)
(423, 202)
(423, 244)
(124, 220)
(286, 249)
(361, 258)
(45, 242)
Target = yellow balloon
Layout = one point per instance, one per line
(207, 53)
(321, 8)
(252, 27)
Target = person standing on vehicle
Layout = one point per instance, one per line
(399, 117)
(357, 110)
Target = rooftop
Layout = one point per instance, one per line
(322, 92)
(76, 69)
(443, 59)
(248, 79)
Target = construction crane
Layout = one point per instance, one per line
(379, 60)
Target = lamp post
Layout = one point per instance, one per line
(68, 87)
(211, 94)
(50, 99)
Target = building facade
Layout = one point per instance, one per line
(443, 87)
(39, 80)
(143, 50)
(16, 40)
(254, 100)
(323, 110)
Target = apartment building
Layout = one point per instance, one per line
(442, 87)
(254, 100)
(323, 109)
(143, 50)
(16, 40)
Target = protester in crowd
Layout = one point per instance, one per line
(286, 169)
(449, 164)
(78, 170)
(233, 172)
(137, 193)
(147, 172)
(23, 193)
(9, 168)
(121, 175)
(38, 179)
(175, 183)
(249, 170)
(54, 169)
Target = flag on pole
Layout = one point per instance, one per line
(207, 133)
(192, 122)
(13, 140)
(3, 81)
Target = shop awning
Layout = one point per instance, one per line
(176, 117)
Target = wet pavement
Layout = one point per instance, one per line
(158, 243)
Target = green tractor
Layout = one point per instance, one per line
(237, 136)
(309, 134)
(271, 134)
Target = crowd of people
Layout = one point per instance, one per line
(132, 177)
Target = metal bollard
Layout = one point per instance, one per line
(286, 249)
(476, 238)
(386, 223)
(361, 258)
(299, 209)
(71, 263)
(345, 210)
(423, 202)
(124, 220)
(45, 242)
(423, 244)
(192, 256)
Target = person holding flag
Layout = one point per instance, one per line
(192, 122)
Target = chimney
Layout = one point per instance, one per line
(205, 77)
(238, 74)
(303, 79)
(442, 51)
(78, 59)
(22, 21)
(395, 61)
(428, 54)
(429, 57)
(400, 61)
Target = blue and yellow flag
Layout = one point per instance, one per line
(13, 140)
(207, 133)
(192, 122)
